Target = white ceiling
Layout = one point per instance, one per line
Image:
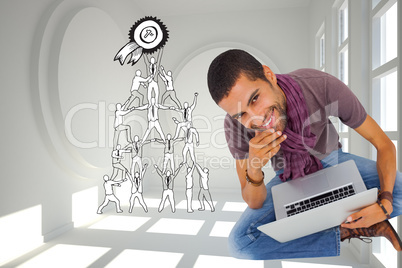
(188, 7)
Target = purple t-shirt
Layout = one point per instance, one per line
(325, 96)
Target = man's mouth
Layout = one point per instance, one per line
(268, 122)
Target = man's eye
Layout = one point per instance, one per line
(255, 98)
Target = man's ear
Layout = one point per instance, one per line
(269, 74)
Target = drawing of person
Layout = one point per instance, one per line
(109, 194)
(187, 112)
(136, 153)
(121, 111)
(168, 151)
(138, 81)
(137, 189)
(204, 193)
(168, 184)
(189, 188)
(189, 144)
(170, 92)
(152, 67)
(117, 156)
(181, 126)
(153, 118)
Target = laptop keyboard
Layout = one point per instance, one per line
(317, 201)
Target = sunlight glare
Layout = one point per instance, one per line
(67, 256)
(235, 206)
(222, 228)
(84, 206)
(144, 258)
(176, 226)
(24, 225)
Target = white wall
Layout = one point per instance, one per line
(320, 13)
(57, 56)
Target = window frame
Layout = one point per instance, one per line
(320, 43)
(342, 46)
(378, 70)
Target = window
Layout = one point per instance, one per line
(322, 52)
(343, 22)
(320, 48)
(388, 99)
(384, 33)
(384, 74)
(343, 62)
(362, 41)
(384, 93)
(343, 43)
(344, 65)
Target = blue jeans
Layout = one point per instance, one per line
(247, 242)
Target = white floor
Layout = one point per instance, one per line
(165, 239)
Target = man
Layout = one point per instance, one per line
(189, 188)
(121, 111)
(168, 151)
(188, 147)
(136, 153)
(167, 185)
(284, 118)
(117, 156)
(204, 193)
(170, 92)
(138, 81)
(137, 189)
(109, 194)
(187, 112)
(153, 117)
(152, 67)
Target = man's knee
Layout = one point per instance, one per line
(240, 243)
(397, 193)
(234, 246)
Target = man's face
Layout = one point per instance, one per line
(256, 104)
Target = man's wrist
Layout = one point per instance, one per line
(386, 199)
(255, 180)
(254, 172)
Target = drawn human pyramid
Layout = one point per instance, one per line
(135, 173)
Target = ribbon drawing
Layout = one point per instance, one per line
(147, 35)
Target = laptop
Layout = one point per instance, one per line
(318, 201)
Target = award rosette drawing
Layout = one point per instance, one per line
(147, 36)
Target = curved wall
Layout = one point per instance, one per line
(61, 84)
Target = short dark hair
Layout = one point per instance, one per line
(226, 69)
